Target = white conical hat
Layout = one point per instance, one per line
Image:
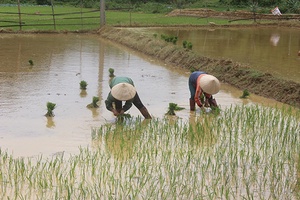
(210, 84)
(123, 91)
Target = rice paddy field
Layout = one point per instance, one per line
(244, 152)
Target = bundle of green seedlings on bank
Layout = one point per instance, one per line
(111, 72)
(247, 152)
(50, 108)
(94, 103)
(83, 85)
(172, 108)
(169, 38)
(245, 94)
(187, 45)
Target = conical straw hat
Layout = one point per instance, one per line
(210, 84)
(123, 91)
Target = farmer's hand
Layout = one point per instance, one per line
(198, 102)
(212, 102)
(115, 112)
(121, 112)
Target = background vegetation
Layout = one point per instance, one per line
(163, 6)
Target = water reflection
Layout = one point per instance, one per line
(50, 122)
(274, 39)
(272, 50)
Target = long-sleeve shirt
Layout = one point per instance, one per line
(110, 99)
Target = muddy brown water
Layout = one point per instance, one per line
(60, 62)
(273, 50)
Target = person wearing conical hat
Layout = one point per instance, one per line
(201, 83)
(122, 89)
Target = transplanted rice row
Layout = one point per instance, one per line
(247, 152)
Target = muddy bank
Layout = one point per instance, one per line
(236, 74)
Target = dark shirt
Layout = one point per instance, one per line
(110, 99)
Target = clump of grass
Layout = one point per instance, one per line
(50, 108)
(245, 94)
(187, 45)
(111, 72)
(83, 85)
(168, 38)
(172, 108)
(94, 103)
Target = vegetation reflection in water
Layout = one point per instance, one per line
(249, 152)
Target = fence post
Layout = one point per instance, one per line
(20, 20)
(53, 15)
(102, 13)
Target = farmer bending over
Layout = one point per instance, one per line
(203, 85)
(122, 89)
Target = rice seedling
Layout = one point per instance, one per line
(245, 94)
(94, 103)
(187, 45)
(246, 152)
(125, 116)
(111, 72)
(83, 85)
(169, 38)
(50, 107)
(30, 62)
(172, 108)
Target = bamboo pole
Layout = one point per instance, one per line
(102, 13)
(19, 11)
(53, 15)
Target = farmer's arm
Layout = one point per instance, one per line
(109, 102)
(127, 105)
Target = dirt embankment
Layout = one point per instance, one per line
(231, 15)
(236, 74)
(259, 19)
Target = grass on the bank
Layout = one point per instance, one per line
(247, 152)
(42, 16)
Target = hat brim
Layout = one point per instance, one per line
(210, 84)
(123, 91)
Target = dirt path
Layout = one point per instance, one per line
(236, 74)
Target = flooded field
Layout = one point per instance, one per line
(60, 62)
(249, 151)
(272, 50)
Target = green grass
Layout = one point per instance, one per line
(41, 17)
(247, 152)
